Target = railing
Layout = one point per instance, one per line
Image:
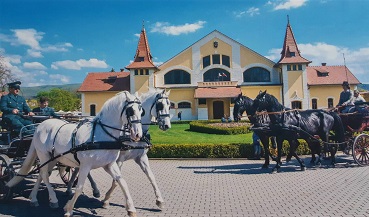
(217, 84)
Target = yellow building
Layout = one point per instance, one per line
(206, 77)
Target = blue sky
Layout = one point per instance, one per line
(60, 41)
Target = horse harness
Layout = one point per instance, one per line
(159, 106)
(118, 143)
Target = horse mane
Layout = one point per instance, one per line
(152, 91)
(114, 103)
(275, 103)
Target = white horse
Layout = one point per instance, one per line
(56, 137)
(158, 105)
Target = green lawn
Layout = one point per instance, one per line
(180, 134)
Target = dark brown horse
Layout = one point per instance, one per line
(260, 124)
(290, 124)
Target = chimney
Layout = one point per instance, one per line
(324, 64)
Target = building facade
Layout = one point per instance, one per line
(205, 78)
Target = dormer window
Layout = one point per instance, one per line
(141, 59)
(292, 54)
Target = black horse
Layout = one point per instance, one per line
(293, 124)
(261, 126)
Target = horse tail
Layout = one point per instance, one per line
(26, 167)
(338, 127)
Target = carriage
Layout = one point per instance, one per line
(356, 140)
(119, 132)
(14, 148)
(324, 131)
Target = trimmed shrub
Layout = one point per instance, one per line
(226, 128)
(215, 150)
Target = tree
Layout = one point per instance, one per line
(61, 99)
(5, 72)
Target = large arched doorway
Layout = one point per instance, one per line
(218, 109)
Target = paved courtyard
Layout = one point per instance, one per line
(222, 187)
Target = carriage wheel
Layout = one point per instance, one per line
(360, 149)
(65, 173)
(6, 174)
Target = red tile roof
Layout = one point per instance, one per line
(336, 75)
(143, 57)
(106, 81)
(218, 92)
(290, 46)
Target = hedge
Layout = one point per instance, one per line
(214, 150)
(205, 127)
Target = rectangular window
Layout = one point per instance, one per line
(288, 67)
(330, 103)
(141, 59)
(141, 72)
(136, 71)
(216, 59)
(146, 72)
(202, 101)
(225, 61)
(300, 67)
(294, 67)
(205, 61)
(314, 104)
(292, 54)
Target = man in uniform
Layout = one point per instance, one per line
(14, 107)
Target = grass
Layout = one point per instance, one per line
(180, 134)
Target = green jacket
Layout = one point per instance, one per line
(9, 102)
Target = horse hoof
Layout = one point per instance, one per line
(131, 214)
(96, 194)
(67, 214)
(160, 204)
(54, 205)
(106, 204)
(34, 204)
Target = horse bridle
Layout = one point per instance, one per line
(159, 116)
(125, 130)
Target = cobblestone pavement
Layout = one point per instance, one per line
(221, 187)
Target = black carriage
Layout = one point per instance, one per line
(13, 150)
(357, 141)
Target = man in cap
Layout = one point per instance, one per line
(14, 107)
(345, 95)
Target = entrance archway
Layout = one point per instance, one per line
(218, 109)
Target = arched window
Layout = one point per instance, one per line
(172, 105)
(330, 103)
(256, 74)
(296, 105)
(177, 76)
(92, 110)
(314, 103)
(184, 105)
(217, 74)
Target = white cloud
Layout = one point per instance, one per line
(137, 35)
(356, 60)
(33, 65)
(79, 64)
(253, 11)
(288, 4)
(16, 59)
(34, 53)
(29, 37)
(58, 77)
(166, 28)
(32, 38)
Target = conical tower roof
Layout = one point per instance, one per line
(143, 57)
(290, 52)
